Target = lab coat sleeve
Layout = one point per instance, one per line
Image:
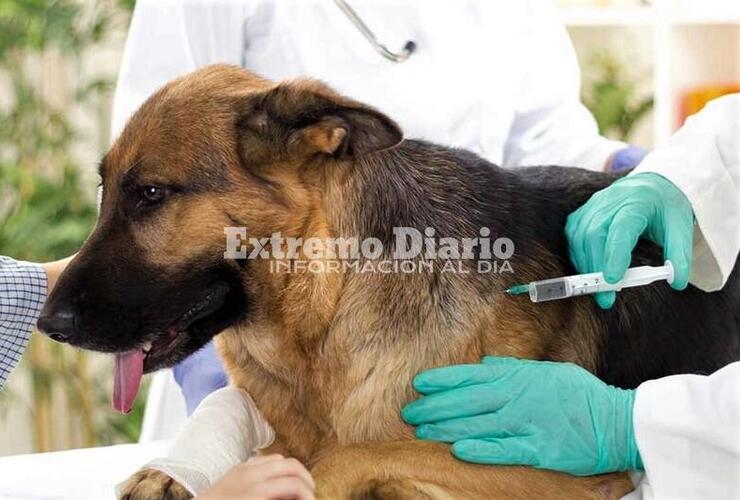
(170, 38)
(703, 160)
(551, 126)
(687, 429)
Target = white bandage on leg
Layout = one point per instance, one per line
(224, 430)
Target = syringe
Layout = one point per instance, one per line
(585, 284)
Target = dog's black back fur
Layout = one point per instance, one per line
(651, 332)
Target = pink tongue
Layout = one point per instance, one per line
(127, 375)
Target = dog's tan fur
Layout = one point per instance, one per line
(329, 357)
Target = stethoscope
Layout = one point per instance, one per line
(381, 49)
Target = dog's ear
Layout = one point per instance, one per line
(308, 118)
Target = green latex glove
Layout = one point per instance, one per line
(510, 411)
(604, 231)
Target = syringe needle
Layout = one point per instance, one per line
(518, 289)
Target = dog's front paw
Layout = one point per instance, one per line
(150, 484)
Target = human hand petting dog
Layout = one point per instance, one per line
(269, 477)
(604, 231)
(54, 270)
(510, 411)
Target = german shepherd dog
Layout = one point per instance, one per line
(328, 356)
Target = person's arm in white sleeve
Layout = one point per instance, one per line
(687, 429)
(703, 160)
(225, 430)
(551, 125)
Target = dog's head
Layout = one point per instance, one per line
(219, 147)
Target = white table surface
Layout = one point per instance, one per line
(85, 474)
(93, 473)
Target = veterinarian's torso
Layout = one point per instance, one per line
(496, 77)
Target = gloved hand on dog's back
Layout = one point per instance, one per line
(603, 233)
(509, 411)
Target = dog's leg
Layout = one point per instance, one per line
(426, 470)
(150, 484)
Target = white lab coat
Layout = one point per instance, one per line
(499, 78)
(687, 427)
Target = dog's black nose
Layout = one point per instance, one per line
(58, 325)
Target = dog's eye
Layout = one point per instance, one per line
(151, 195)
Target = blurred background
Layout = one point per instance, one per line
(58, 63)
(646, 66)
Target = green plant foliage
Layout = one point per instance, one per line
(127, 4)
(613, 98)
(44, 219)
(47, 205)
(35, 25)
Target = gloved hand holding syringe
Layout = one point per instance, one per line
(586, 284)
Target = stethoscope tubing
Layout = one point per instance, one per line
(407, 50)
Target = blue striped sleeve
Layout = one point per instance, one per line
(22, 295)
